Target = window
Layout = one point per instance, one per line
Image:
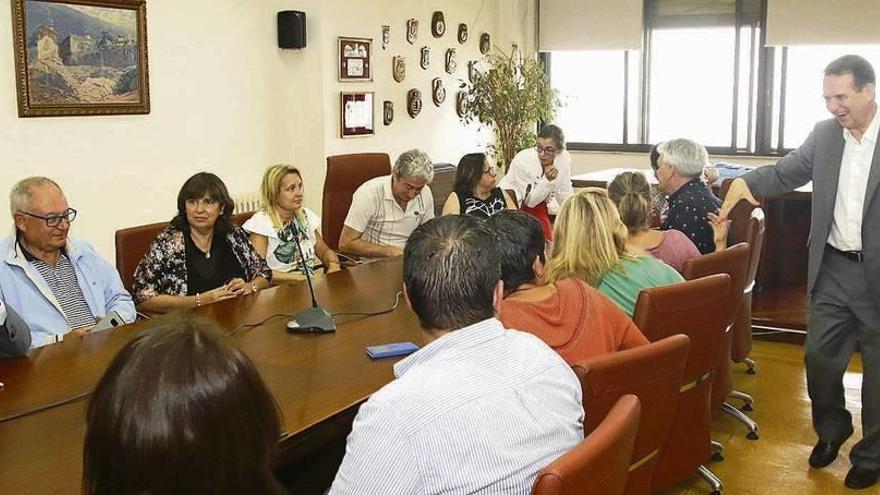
(692, 77)
(704, 75)
(800, 100)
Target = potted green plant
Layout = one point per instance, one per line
(511, 97)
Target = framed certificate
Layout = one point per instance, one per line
(355, 59)
(356, 114)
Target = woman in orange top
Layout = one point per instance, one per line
(576, 320)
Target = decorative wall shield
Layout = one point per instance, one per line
(462, 33)
(451, 61)
(460, 99)
(438, 24)
(414, 102)
(438, 92)
(386, 35)
(425, 59)
(387, 112)
(398, 68)
(412, 31)
(472, 71)
(485, 43)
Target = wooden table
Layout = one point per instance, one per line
(780, 297)
(314, 378)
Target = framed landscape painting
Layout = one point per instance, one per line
(80, 57)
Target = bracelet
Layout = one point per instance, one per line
(254, 287)
(198, 299)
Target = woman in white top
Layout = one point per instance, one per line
(272, 229)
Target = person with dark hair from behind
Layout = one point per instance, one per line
(15, 336)
(576, 320)
(631, 195)
(474, 190)
(479, 409)
(180, 410)
(202, 257)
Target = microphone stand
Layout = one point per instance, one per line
(315, 319)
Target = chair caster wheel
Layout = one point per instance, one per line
(751, 371)
(716, 492)
(752, 435)
(747, 407)
(717, 457)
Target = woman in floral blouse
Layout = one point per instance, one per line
(202, 257)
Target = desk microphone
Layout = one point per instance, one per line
(315, 319)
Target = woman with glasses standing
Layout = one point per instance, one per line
(474, 191)
(202, 257)
(541, 175)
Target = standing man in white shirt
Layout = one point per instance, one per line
(842, 159)
(541, 175)
(479, 409)
(385, 210)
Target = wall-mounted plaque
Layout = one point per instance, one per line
(425, 59)
(485, 43)
(387, 112)
(398, 68)
(438, 92)
(386, 35)
(462, 33)
(355, 59)
(356, 114)
(438, 24)
(472, 71)
(451, 61)
(414, 102)
(460, 99)
(412, 31)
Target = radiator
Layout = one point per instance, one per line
(247, 202)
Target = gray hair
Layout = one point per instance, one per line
(20, 195)
(689, 158)
(414, 163)
(553, 132)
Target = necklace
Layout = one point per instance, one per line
(206, 250)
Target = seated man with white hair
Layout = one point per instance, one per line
(679, 173)
(56, 284)
(385, 210)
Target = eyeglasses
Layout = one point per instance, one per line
(548, 150)
(54, 220)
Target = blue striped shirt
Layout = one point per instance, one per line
(479, 410)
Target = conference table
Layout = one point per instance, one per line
(780, 297)
(314, 377)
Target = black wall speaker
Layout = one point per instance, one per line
(291, 29)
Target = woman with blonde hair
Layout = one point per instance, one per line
(283, 218)
(631, 195)
(590, 243)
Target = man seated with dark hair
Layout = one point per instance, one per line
(479, 409)
(576, 320)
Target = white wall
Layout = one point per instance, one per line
(221, 96)
(225, 99)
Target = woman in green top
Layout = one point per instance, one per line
(590, 244)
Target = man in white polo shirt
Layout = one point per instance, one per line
(385, 210)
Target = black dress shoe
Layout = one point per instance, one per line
(859, 477)
(824, 453)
